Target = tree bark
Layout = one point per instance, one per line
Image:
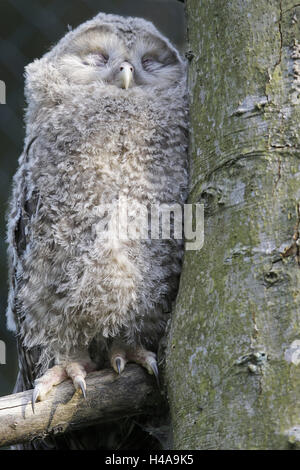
(109, 397)
(233, 356)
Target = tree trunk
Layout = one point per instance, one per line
(233, 367)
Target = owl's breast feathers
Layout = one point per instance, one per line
(90, 151)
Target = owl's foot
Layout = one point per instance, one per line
(120, 354)
(76, 371)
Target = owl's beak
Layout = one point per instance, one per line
(126, 74)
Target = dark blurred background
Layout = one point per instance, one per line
(28, 28)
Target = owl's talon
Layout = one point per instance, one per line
(154, 369)
(75, 370)
(35, 397)
(79, 382)
(118, 364)
(121, 353)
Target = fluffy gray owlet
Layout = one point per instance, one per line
(106, 122)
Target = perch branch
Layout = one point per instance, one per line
(109, 397)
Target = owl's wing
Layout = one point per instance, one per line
(23, 207)
(22, 210)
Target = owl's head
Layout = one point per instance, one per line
(123, 53)
(103, 54)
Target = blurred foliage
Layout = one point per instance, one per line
(28, 29)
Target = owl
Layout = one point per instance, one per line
(106, 124)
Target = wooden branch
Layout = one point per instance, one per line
(109, 397)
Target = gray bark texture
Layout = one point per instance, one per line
(233, 354)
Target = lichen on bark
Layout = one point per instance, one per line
(230, 383)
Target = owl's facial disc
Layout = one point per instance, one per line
(100, 56)
(125, 75)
